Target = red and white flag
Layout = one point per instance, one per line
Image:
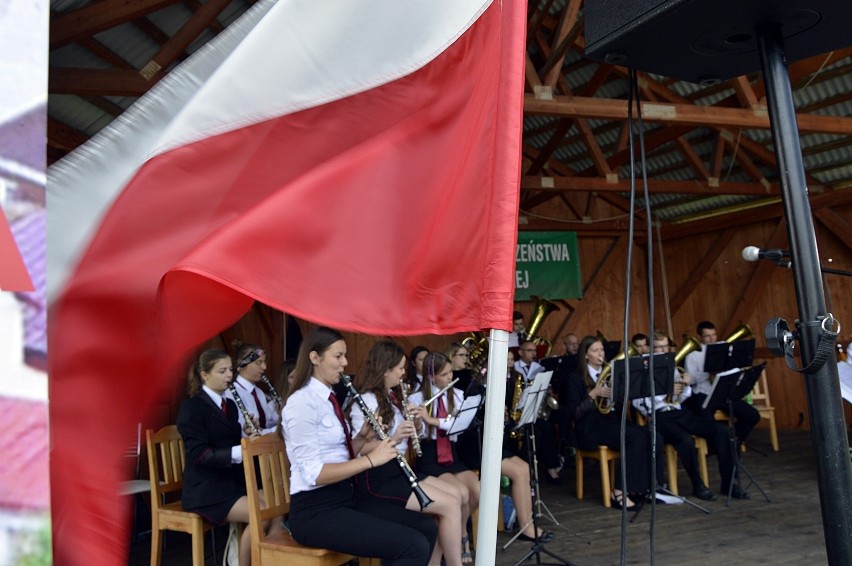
(356, 167)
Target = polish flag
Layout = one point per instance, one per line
(355, 165)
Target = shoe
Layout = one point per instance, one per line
(703, 492)
(617, 500)
(668, 499)
(737, 492)
(552, 480)
(545, 537)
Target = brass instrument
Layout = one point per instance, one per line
(477, 346)
(541, 310)
(741, 332)
(550, 404)
(515, 413)
(606, 404)
(406, 412)
(689, 345)
(422, 498)
(247, 417)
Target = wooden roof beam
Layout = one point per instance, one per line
(569, 28)
(99, 82)
(837, 225)
(99, 16)
(657, 186)
(687, 114)
(63, 137)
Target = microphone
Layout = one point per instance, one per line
(753, 253)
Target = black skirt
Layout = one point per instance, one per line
(428, 462)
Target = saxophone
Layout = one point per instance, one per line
(515, 414)
(406, 412)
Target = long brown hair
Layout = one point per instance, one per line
(432, 365)
(205, 362)
(318, 340)
(384, 355)
(585, 344)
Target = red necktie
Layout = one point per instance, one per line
(339, 414)
(261, 414)
(445, 450)
(224, 406)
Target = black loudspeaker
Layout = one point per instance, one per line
(708, 41)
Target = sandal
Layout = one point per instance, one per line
(467, 555)
(618, 500)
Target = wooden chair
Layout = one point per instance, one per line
(136, 488)
(671, 463)
(267, 454)
(760, 399)
(607, 458)
(168, 445)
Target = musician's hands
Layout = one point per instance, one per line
(383, 453)
(405, 430)
(248, 429)
(367, 433)
(684, 377)
(600, 390)
(422, 413)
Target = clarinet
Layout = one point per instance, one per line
(275, 396)
(247, 417)
(415, 440)
(422, 498)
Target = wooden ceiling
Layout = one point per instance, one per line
(710, 161)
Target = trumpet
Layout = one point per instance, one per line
(422, 498)
(406, 412)
(439, 393)
(247, 417)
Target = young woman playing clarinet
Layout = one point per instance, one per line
(213, 478)
(439, 454)
(379, 384)
(324, 458)
(250, 368)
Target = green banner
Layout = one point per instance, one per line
(547, 265)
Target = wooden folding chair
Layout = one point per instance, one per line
(607, 458)
(761, 402)
(166, 477)
(267, 454)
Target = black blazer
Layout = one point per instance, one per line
(208, 435)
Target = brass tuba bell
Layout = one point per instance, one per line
(741, 332)
(541, 310)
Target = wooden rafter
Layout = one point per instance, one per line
(601, 184)
(840, 227)
(99, 16)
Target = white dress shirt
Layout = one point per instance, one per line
(313, 435)
(699, 379)
(445, 423)
(528, 371)
(357, 418)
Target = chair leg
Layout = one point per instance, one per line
(197, 543)
(156, 546)
(671, 468)
(701, 452)
(578, 469)
(606, 488)
(773, 432)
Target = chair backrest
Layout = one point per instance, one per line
(166, 460)
(760, 393)
(266, 455)
(134, 451)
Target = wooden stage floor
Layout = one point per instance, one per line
(786, 531)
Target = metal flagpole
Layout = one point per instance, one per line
(828, 432)
(492, 448)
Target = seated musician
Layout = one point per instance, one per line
(379, 386)
(324, 509)
(592, 427)
(745, 415)
(439, 450)
(677, 427)
(213, 478)
(250, 368)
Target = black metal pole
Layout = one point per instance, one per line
(828, 434)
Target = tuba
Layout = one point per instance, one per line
(604, 404)
(477, 347)
(541, 310)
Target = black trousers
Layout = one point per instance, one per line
(746, 417)
(606, 430)
(332, 517)
(677, 428)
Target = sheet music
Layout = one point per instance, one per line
(536, 392)
(844, 370)
(464, 415)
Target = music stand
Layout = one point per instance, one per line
(743, 385)
(464, 415)
(531, 400)
(611, 349)
(723, 356)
